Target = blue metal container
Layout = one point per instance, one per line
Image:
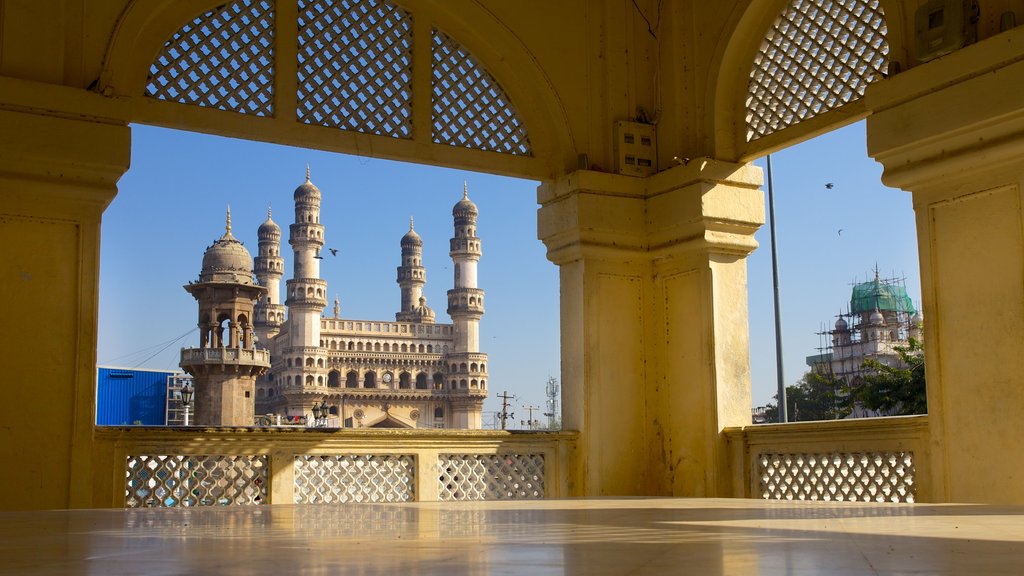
(130, 396)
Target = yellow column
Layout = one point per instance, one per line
(57, 174)
(655, 358)
(952, 132)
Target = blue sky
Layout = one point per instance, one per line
(171, 206)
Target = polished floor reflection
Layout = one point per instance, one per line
(585, 537)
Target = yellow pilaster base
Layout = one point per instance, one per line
(56, 177)
(952, 132)
(655, 359)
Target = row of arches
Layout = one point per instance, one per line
(405, 380)
(464, 384)
(366, 346)
(471, 367)
(310, 292)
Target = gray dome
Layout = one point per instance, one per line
(228, 261)
(876, 318)
(841, 325)
(411, 238)
(307, 193)
(269, 229)
(465, 207)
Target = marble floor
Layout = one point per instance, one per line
(585, 537)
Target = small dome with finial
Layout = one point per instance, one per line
(411, 238)
(269, 230)
(307, 192)
(465, 208)
(841, 325)
(876, 318)
(227, 260)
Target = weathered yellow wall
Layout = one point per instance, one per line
(952, 132)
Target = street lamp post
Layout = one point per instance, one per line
(186, 398)
(320, 412)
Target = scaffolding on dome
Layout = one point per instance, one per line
(880, 317)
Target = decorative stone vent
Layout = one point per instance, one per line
(355, 66)
(223, 59)
(470, 107)
(817, 56)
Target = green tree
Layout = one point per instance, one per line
(895, 390)
(817, 396)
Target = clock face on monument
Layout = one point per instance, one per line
(387, 378)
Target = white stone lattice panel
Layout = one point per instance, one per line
(223, 59)
(818, 56)
(491, 476)
(161, 481)
(354, 478)
(470, 107)
(355, 66)
(836, 476)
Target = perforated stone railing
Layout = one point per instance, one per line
(491, 476)
(223, 59)
(838, 476)
(159, 481)
(354, 478)
(859, 460)
(244, 466)
(818, 56)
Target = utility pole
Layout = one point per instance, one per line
(531, 423)
(505, 415)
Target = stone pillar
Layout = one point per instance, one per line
(952, 132)
(57, 175)
(655, 359)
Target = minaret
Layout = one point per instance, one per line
(306, 300)
(411, 278)
(226, 364)
(270, 312)
(466, 307)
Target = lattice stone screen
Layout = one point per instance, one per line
(163, 481)
(491, 476)
(836, 476)
(223, 59)
(470, 107)
(354, 478)
(817, 56)
(355, 66)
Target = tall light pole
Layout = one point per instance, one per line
(783, 417)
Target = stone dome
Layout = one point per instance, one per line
(269, 229)
(465, 207)
(228, 261)
(876, 318)
(841, 325)
(411, 238)
(307, 192)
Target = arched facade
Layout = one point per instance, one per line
(652, 267)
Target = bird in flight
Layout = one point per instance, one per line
(334, 251)
(829, 185)
(840, 231)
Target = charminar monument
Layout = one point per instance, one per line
(266, 354)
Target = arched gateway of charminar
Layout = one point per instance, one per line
(410, 373)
